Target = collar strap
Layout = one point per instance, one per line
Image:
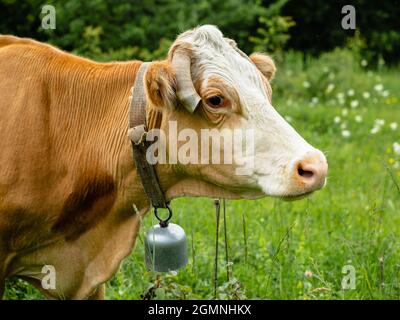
(137, 133)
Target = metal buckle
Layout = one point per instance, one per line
(137, 134)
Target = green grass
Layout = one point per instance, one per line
(354, 221)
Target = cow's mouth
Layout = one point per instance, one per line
(296, 197)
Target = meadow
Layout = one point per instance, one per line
(301, 249)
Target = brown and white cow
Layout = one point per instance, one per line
(67, 179)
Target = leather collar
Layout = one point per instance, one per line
(137, 133)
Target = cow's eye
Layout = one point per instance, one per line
(214, 101)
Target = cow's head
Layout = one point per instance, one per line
(208, 83)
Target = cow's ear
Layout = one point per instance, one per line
(160, 81)
(265, 64)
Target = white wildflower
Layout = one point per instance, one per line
(385, 93)
(354, 103)
(329, 88)
(346, 133)
(306, 84)
(375, 130)
(314, 100)
(378, 87)
(350, 92)
(366, 95)
(396, 148)
(379, 122)
(358, 118)
(364, 63)
(345, 112)
(337, 119)
(340, 95)
(393, 126)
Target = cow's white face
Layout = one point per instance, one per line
(227, 90)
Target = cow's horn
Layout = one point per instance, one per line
(186, 92)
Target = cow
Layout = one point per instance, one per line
(68, 184)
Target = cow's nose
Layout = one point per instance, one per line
(310, 172)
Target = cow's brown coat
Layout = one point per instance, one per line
(67, 181)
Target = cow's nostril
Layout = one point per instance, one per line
(310, 172)
(304, 173)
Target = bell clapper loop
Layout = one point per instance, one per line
(163, 222)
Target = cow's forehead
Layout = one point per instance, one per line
(214, 55)
(206, 36)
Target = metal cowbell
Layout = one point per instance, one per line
(165, 248)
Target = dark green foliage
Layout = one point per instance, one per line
(318, 26)
(121, 29)
(126, 29)
(21, 18)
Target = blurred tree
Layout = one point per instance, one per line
(318, 26)
(272, 33)
(114, 26)
(121, 29)
(21, 18)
